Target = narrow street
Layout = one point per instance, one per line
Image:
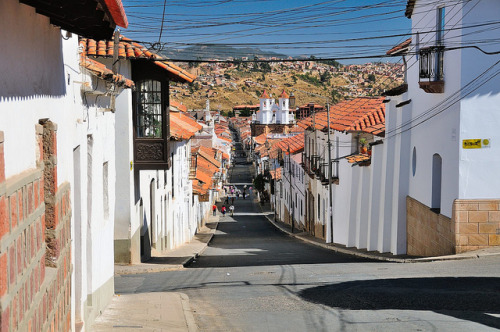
(254, 278)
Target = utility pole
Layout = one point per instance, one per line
(330, 175)
(290, 180)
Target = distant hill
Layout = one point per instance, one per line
(219, 51)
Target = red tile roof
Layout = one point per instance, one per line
(360, 114)
(400, 48)
(128, 49)
(294, 144)
(284, 95)
(99, 70)
(264, 95)
(115, 8)
(182, 127)
(209, 154)
(178, 105)
(361, 159)
(261, 139)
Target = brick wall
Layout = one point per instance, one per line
(428, 233)
(475, 224)
(33, 296)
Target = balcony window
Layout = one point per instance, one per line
(431, 69)
(150, 118)
(149, 109)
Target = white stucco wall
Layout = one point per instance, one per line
(480, 110)
(41, 78)
(434, 126)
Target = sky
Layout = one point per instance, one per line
(335, 29)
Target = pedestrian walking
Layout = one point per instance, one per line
(227, 200)
(223, 210)
(214, 210)
(232, 200)
(231, 208)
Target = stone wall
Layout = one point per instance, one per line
(35, 251)
(428, 233)
(475, 224)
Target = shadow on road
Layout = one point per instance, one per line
(250, 240)
(466, 298)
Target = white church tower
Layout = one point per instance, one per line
(272, 113)
(283, 111)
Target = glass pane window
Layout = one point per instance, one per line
(440, 25)
(149, 109)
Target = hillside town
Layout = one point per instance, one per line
(218, 81)
(117, 164)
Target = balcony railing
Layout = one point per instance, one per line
(431, 72)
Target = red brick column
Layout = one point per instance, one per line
(32, 299)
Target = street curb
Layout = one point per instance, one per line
(196, 255)
(469, 255)
(146, 268)
(188, 313)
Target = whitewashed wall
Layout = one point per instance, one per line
(439, 134)
(480, 111)
(45, 83)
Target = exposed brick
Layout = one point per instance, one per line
(14, 312)
(494, 240)
(32, 240)
(39, 238)
(4, 219)
(463, 240)
(461, 216)
(5, 319)
(494, 216)
(21, 205)
(488, 206)
(31, 200)
(36, 193)
(3, 274)
(42, 197)
(467, 228)
(12, 265)
(19, 255)
(478, 216)
(478, 239)
(13, 210)
(21, 304)
(464, 206)
(488, 228)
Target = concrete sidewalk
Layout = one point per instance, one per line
(162, 311)
(175, 259)
(148, 312)
(388, 257)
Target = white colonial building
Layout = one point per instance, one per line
(454, 89)
(272, 113)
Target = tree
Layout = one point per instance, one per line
(258, 182)
(371, 78)
(325, 76)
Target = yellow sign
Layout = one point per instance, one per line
(471, 143)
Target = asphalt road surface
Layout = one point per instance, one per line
(254, 278)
